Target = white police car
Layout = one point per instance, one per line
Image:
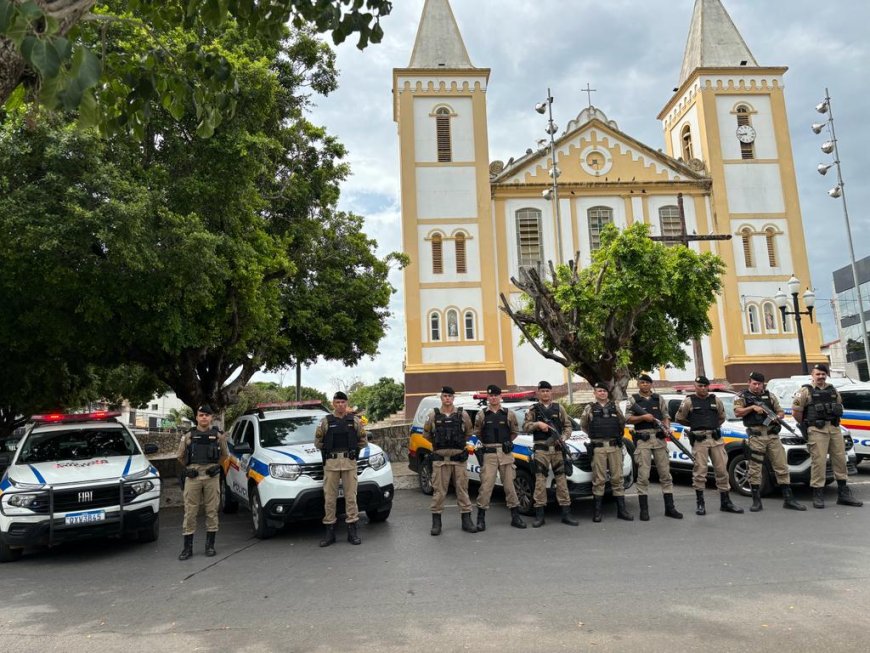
(275, 469)
(578, 475)
(74, 476)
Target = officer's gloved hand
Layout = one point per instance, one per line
(507, 446)
(353, 454)
(213, 471)
(464, 455)
(190, 472)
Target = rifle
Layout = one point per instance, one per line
(555, 439)
(772, 418)
(637, 410)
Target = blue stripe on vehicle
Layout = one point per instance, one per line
(366, 452)
(5, 483)
(522, 449)
(416, 429)
(37, 474)
(259, 466)
(127, 466)
(153, 469)
(288, 454)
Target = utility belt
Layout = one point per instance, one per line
(455, 458)
(543, 446)
(341, 454)
(701, 436)
(594, 444)
(643, 436)
(822, 423)
(754, 430)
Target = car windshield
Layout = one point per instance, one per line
(728, 402)
(288, 430)
(76, 444)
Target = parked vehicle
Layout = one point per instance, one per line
(856, 416)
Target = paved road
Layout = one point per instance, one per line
(772, 581)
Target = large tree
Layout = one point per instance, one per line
(633, 309)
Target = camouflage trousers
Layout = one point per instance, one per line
(546, 459)
(767, 445)
(821, 443)
(647, 452)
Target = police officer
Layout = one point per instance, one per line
(448, 429)
(496, 428)
(704, 413)
(643, 409)
(604, 423)
(550, 426)
(818, 408)
(201, 452)
(339, 437)
(764, 440)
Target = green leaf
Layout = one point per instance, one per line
(86, 68)
(7, 11)
(16, 99)
(88, 111)
(30, 10)
(44, 58)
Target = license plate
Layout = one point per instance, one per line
(85, 517)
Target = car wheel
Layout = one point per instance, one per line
(738, 476)
(229, 505)
(525, 488)
(425, 476)
(258, 518)
(379, 515)
(8, 554)
(151, 533)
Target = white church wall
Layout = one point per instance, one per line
(461, 128)
(530, 367)
(761, 121)
(754, 188)
(581, 209)
(690, 119)
(448, 252)
(442, 300)
(687, 373)
(459, 355)
(447, 192)
(760, 259)
(547, 229)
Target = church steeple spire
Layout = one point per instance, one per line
(439, 43)
(714, 41)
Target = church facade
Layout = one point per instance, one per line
(469, 224)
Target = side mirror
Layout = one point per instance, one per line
(150, 448)
(243, 448)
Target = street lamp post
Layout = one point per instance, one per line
(794, 286)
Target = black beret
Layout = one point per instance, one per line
(544, 385)
(821, 367)
(493, 389)
(339, 395)
(601, 386)
(206, 409)
(756, 376)
(702, 380)
(645, 377)
(447, 390)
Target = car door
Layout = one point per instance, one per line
(856, 418)
(237, 478)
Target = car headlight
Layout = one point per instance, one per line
(141, 487)
(287, 472)
(22, 500)
(377, 461)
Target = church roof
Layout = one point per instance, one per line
(714, 41)
(439, 43)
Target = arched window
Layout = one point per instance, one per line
(769, 235)
(461, 265)
(598, 217)
(686, 139)
(769, 313)
(435, 327)
(747, 150)
(442, 133)
(669, 218)
(437, 254)
(452, 325)
(752, 319)
(469, 325)
(746, 238)
(530, 247)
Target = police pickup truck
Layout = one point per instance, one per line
(578, 474)
(275, 469)
(74, 476)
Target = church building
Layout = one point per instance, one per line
(469, 224)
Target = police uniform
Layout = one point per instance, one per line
(339, 439)
(201, 454)
(604, 423)
(496, 431)
(449, 433)
(819, 408)
(547, 447)
(704, 416)
(649, 447)
(763, 438)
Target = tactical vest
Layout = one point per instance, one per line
(823, 406)
(704, 415)
(449, 431)
(340, 434)
(605, 423)
(204, 447)
(495, 429)
(753, 418)
(652, 405)
(550, 414)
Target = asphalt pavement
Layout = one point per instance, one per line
(772, 581)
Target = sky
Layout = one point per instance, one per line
(631, 52)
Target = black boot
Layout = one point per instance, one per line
(566, 517)
(436, 524)
(844, 496)
(670, 508)
(467, 524)
(621, 512)
(699, 497)
(516, 520)
(596, 508)
(756, 498)
(328, 536)
(539, 517)
(481, 520)
(209, 544)
(789, 500)
(818, 497)
(187, 551)
(725, 504)
(353, 533)
(643, 500)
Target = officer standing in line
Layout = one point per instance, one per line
(448, 429)
(339, 437)
(550, 426)
(642, 410)
(201, 452)
(496, 428)
(764, 440)
(819, 408)
(704, 413)
(604, 423)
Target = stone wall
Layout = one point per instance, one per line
(393, 440)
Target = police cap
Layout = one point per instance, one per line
(645, 377)
(205, 409)
(447, 390)
(756, 376)
(493, 389)
(339, 395)
(601, 386)
(702, 380)
(544, 385)
(821, 367)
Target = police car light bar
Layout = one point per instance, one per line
(305, 403)
(508, 396)
(65, 418)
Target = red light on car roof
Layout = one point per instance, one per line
(63, 418)
(509, 396)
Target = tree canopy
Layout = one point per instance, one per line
(632, 309)
(379, 400)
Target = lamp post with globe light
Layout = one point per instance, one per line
(794, 286)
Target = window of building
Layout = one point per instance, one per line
(469, 325)
(530, 249)
(770, 235)
(669, 217)
(154, 407)
(452, 324)
(461, 265)
(435, 327)
(598, 217)
(746, 238)
(752, 319)
(787, 324)
(769, 318)
(442, 132)
(437, 254)
(747, 150)
(686, 137)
